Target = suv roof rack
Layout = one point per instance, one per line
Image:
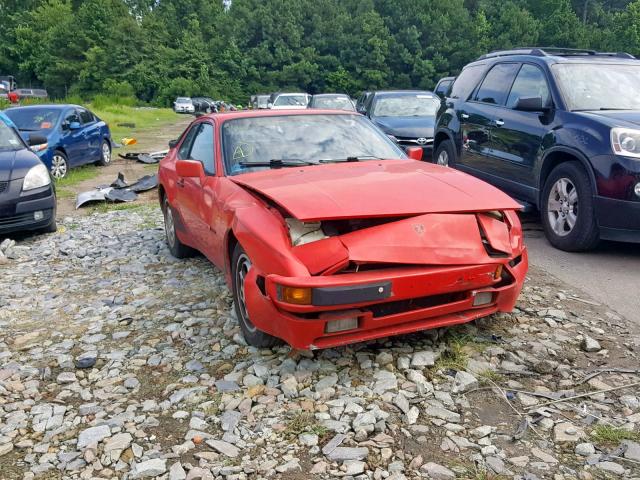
(554, 51)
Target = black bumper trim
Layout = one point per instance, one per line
(329, 296)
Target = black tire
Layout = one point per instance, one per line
(176, 247)
(51, 228)
(240, 264)
(445, 149)
(567, 211)
(105, 154)
(59, 165)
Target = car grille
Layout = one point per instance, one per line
(3, 186)
(413, 142)
(402, 306)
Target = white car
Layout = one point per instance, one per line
(183, 105)
(289, 101)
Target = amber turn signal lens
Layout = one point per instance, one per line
(498, 274)
(296, 295)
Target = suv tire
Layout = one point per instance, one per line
(445, 154)
(240, 265)
(567, 210)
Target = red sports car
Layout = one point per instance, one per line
(329, 234)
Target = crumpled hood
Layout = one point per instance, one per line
(15, 164)
(374, 189)
(413, 127)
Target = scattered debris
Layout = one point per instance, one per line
(129, 141)
(148, 158)
(118, 191)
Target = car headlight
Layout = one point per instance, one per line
(625, 141)
(39, 148)
(37, 177)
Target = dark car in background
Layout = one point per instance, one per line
(74, 135)
(203, 104)
(557, 129)
(27, 195)
(407, 115)
(332, 101)
(443, 86)
(360, 103)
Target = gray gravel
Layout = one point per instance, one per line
(118, 361)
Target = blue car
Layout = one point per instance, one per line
(27, 193)
(75, 136)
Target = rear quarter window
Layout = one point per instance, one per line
(466, 81)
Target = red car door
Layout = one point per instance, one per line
(197, 145)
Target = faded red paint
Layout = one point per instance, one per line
(433, 249)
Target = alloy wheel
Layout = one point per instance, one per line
(106, 153)
(443, 158)
(562, 207)
(169, 226)
(242, 269)
(58, 166)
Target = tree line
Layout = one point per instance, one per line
(155, 50)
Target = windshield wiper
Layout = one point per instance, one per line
(349, 159)
(278, 163)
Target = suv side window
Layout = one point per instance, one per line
(466, 81)
(530, 82)
(495, 86)
(202, 147)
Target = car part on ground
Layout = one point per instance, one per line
(149, 158)
(118, 191)
(556, 129)
(329, 235)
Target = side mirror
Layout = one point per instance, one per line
(529, 104)
(74, 126)
(414, 153)
(189, 169)
(173, 143)
(37, 140)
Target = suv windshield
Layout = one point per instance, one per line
(9, 139)
(593, 86)
(419, 105)
(33, 119)
(301, 140)
(295, 100)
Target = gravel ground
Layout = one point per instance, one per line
(118, 361)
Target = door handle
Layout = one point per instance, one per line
(180, 183)
(464, 116)
(499, 123)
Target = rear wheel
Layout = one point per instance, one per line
(105, 154)
(176, 247)
(240, 266)
(444, 154)
(567, 210)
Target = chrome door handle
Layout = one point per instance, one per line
(464, 116)
(499, 123)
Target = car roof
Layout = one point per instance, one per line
(331, 95)
(231, 115)
(551, 55)
(391, 93)
(54, 106)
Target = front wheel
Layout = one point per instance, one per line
(567, 209)
(444, 154)
(59, 165)
(240, 266)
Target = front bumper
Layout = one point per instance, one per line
(18, 210)
(619, 220)
(427, 147)
(410, 299)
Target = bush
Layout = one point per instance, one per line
(117, 88)
(102, 101)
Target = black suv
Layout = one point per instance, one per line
(557, 129)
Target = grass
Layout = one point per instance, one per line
(77, 175)
(607, 434)
(105, 207)
(144, 118)
(304, 422)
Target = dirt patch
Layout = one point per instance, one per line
(148, 141)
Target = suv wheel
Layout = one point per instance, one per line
(444, 154)
(240, 266)
(567, 209)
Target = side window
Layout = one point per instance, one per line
(466, 81)
(530, 82)
(86, 116)
(72, 116)
(202, 147)
(495, 86)
(185, 147)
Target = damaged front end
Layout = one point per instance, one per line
(377, 277)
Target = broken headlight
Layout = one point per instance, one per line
(304, 232)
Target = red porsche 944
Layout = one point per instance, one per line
(330, 234)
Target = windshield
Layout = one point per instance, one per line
(593, 86)
(337, 103)
(291, 100)
(419, 105)
(9, 139)
(33, 119)
(262, 101)
(183, 100)
(302, 138)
